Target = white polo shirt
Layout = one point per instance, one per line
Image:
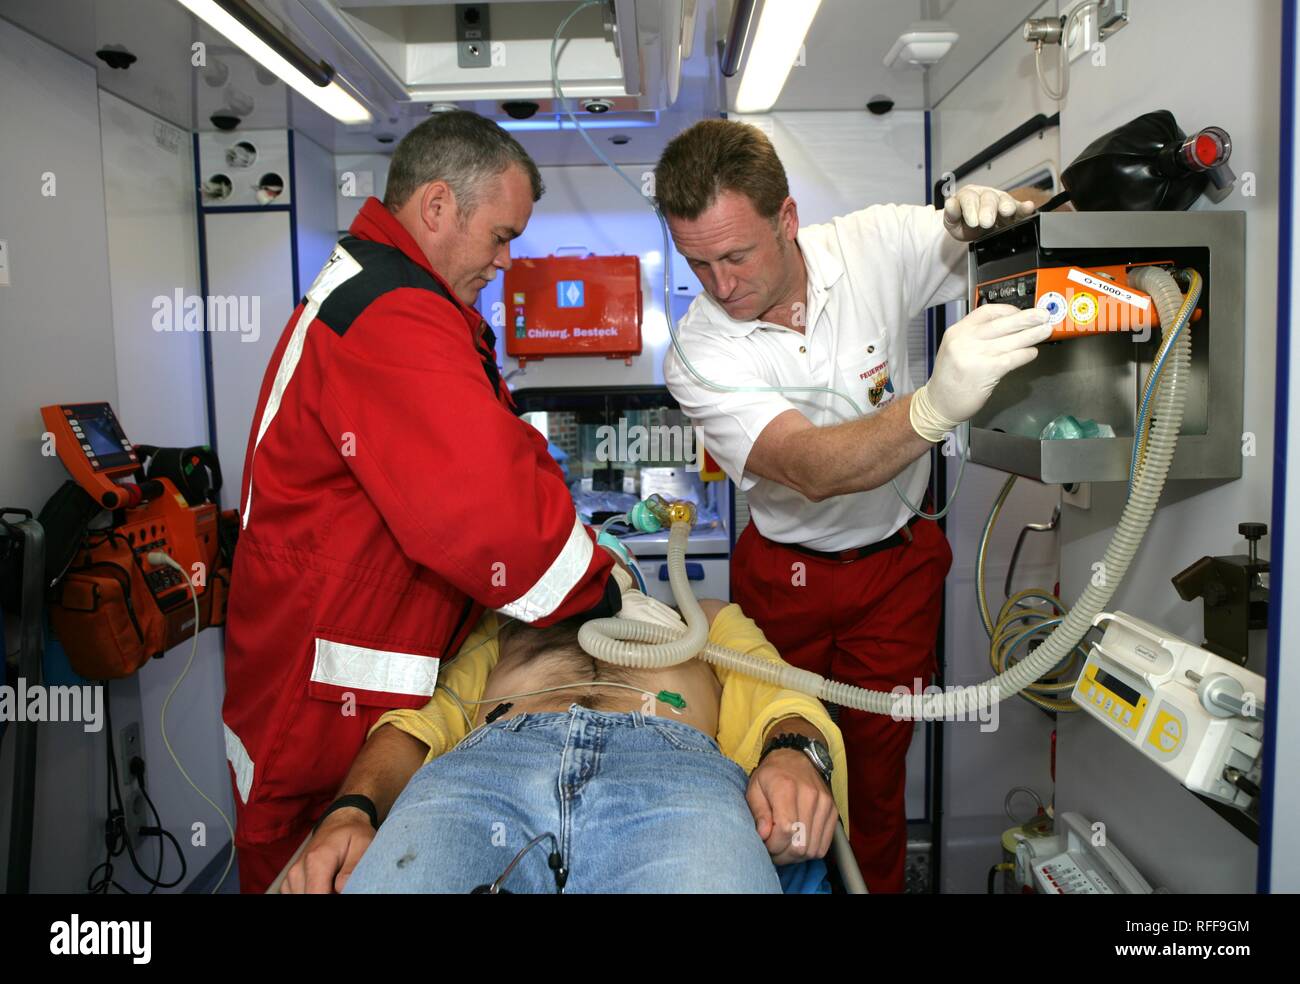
(869, 274)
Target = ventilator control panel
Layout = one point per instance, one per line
(1020, 291)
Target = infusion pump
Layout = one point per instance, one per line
(1195, 714)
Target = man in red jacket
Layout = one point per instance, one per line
(390, 493)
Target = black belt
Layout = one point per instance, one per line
(896, 539)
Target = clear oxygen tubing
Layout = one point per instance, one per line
(632, 564)
(631, 643)
(963, 440)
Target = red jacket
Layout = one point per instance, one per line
(390, 495)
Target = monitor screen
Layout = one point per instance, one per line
(101, 435)
(1118, 687)
(100, 430)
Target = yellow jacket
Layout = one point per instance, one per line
(748, 707)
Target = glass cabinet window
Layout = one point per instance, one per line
(616, 448)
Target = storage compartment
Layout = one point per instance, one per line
(1098, 377)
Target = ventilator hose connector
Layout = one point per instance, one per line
(610, 639)
(626, 642)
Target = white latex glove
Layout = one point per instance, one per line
(973, 356)
(624, 579)
(975, 209)
(642, 608)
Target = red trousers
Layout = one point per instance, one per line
(259, 864)
(871, 623)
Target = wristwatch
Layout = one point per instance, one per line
(817, 752)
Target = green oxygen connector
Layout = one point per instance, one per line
(671, 699)
(653, 514)
(643, 520)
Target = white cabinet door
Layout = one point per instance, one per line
(709, 578)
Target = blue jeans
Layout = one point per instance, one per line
(637, 803)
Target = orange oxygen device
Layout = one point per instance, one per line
(114, 609)
(1080, 300)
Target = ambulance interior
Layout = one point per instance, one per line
(153, 165)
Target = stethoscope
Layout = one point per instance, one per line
(554, 861)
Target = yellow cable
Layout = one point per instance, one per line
(1015, 618)
(981, 556)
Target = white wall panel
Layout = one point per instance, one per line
(56, 345)
(249, 258)
(153, 253)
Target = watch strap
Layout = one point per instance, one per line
(801, 743)
(357, 801)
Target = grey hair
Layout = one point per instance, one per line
(461, 148)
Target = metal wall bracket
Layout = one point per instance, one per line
(473, 35)
(1112, 15)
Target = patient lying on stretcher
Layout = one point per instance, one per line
(633, 780)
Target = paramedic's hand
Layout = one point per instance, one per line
(973, 357)
(640, 607)
(975, 209)
(623, 578)
(793, 809)
(331, 855)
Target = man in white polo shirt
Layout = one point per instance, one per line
(834, 567)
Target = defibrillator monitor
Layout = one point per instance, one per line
(94, 448)
(104, 439)
(99, 438)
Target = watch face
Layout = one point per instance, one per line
(823, 754)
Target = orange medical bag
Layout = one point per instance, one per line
(114, 608)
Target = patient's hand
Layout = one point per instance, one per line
(793, 809)
(331, 855)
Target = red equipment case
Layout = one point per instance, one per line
(573, 305)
